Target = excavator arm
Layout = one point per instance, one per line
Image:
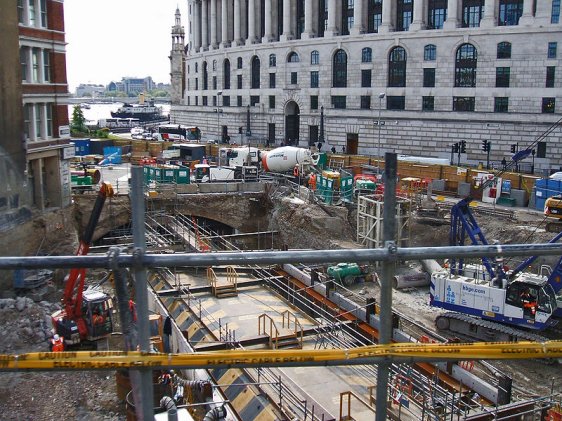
(72, 298)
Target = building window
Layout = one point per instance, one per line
(196, 67)
(188, 100)
(32, 13)
(374, 15)
(214, 101)
(39, 134)
(338, 101)
(548, 105)
(552, 47)
(501, 104)
(272, 80)
(404, 11)
(463, 103)
(43, 6)
(347, 16)
(365, 102)
(510, 12)
(294, 79)
(314, 79)
(226, 101)
(366, 78)
(226, 75)
(239, 63)
(239, 100)
(502, 77)
(340, 69)
(550, 71)
(239, 81)
(555, 15)
(472, 11)
(395, 102)
(204, 99)
(428, 103)
(366, 55)
(428, 78)
(49, 118)
(35, 57)
(314, 102)
(205, 76)
(254, 99)
(272, 60)
(504, 50)
(46, 65)
(541, 150)
(214, 65)
(255, 72)
(196, 84)
(21, 16)
(315, 57)
(429, 52)
(27, 121)
(397, 67)
(271, 101)
(465, 66)
(24, 61)
(436, 14)
(293, 58)
(214, 82)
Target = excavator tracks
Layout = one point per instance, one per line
(483, 329)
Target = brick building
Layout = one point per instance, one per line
(435, 72)
(42, 55)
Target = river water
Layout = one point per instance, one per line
(99, 111)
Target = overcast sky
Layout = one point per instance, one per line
(111, 39)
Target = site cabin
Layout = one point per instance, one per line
(205, 173)
(185, 152)
(477, 297)
(177, 132)
(233, 157)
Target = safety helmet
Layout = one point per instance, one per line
(56, 337)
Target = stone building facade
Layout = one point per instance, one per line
(432, 72)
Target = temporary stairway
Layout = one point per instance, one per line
(225, 285)
(290, 335)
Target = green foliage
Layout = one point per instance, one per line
(78, 122)
(102, 133)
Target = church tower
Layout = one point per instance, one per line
(177, 61)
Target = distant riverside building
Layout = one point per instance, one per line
(89, 89)
(132, 86)
(46, 133)
(436, 72)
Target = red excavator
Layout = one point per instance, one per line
(86, 315)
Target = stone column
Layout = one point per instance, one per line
(204, 26)
(287, 34)
(418, 22)
(268, 30)
(452, 21)
(197, 26)
(527, 17)
(308, 30)
(332, 29)
(237, 23)
(251, 22)
(386, 24)
(214, 44)
(543, 12)
(489, 19)
(224, 23)
(358, 18)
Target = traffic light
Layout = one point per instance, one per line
(455, 147)
(485, 145)
(513, 148)
(463, 146)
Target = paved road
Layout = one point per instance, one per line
(118, 176)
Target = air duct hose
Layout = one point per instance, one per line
(215, 414)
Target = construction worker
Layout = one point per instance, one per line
(133, 310)
(57, 343)
(529, 302)
(312, 182)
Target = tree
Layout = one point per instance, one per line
(78, 120)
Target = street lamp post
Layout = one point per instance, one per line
(219, 93)
(381, 96)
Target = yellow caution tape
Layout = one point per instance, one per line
(84, 360)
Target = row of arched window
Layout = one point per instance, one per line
(465, 65)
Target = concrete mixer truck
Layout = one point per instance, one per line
(285, 158)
